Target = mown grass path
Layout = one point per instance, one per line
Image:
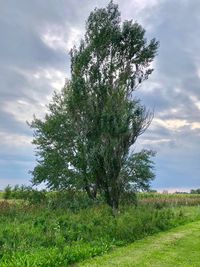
(177, 247)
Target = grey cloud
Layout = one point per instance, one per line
(9, 125)
(23, 53)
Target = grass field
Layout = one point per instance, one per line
(62, 230)
(177, 247)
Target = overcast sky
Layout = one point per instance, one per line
(35, 40)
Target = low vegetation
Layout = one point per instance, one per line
(59, 229)
(178, 247)
(161, 200)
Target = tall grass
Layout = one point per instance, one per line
(50, 235)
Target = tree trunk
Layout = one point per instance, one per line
(112, 198)
(90, 193)
(115, 198)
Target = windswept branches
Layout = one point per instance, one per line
(85, 139)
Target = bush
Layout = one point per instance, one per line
(7, 192)
(70, 199)
(25, 193)
(128, 198)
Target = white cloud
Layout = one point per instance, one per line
(155, 142)
(142, 4)
(60, 39)
(195, 125)
(42, 83)
(139, 10)
(15, 140)
(23, 111)
(172, 124)
(175, 124)
(196, 101)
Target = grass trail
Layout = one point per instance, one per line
(177, 247)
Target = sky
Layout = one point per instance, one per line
(36, 37)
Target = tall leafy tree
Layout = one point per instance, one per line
(85, 140)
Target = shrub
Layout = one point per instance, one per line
(7, 192)
(25, 193)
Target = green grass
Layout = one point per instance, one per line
(36, 235)
(177, 247)
(64, 228)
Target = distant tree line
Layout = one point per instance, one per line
(195, 191)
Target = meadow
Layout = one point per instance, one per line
(177, 247)
(60, 229)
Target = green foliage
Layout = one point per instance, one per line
(85, 140)
(177, 247)
(129, 198)
(39, 235)
(53, 257)
(195, 191)
(137, 171)
(70, 199)
(24, 192)
(7, 192)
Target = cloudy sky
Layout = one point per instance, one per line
(35, 40)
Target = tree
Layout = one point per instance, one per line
(195, 191)
(137, 171)
(85, 140)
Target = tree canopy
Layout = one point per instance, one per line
(86, 139)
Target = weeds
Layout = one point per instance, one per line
(43, 235)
